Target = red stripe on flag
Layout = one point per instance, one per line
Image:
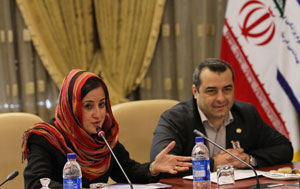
(248, 88)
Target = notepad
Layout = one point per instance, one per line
(139, 186)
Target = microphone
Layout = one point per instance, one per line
(101, 133)
(198, 133)
(10, 177)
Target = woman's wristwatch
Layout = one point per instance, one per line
(252, 161)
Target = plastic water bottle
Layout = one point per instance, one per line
(200, 160)
(72, 173)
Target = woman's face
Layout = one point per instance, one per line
(93, 110)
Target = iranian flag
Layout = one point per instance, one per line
(261, 40)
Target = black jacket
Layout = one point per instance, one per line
(257, 138)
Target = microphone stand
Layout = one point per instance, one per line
(220, 147)
(10, 177)
(100, 132)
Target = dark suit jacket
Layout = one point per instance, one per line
(44, 160)
(257, 138)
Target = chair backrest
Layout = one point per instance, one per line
(137, 121)
(12, 126)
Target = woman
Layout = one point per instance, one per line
(84, 105)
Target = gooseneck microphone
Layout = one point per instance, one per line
(198, 133)
(101, 133)
(10, 177)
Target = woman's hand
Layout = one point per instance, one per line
(169, 163)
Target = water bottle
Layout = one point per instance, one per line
(200, 160)
(72, 173)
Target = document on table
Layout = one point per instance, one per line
(238, 175)
(138, 186)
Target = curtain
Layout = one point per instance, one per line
(62, 32)
(128, 31)
(9, 81)
(64, 35)
(191, 31)
(25, 84)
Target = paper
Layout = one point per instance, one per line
(238, 175)
(137, 186)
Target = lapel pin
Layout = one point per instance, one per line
(235, 144)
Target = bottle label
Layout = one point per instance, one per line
(201, 170)
(72, 183)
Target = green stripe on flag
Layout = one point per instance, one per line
(280, 6)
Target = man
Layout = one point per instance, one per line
(234, 125)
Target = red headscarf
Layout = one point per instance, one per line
(92, 154)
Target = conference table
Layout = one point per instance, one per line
(246, 183)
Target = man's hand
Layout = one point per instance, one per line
(224, 158)
(169, 163)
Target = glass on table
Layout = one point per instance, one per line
(225, 174)
(45, 182)
(98, 185)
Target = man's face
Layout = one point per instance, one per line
(215, 95)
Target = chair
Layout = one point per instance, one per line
(137, 121)
(12, 126)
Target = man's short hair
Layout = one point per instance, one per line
(213, 64)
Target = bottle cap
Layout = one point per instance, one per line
(71, 156)
(199, 139)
